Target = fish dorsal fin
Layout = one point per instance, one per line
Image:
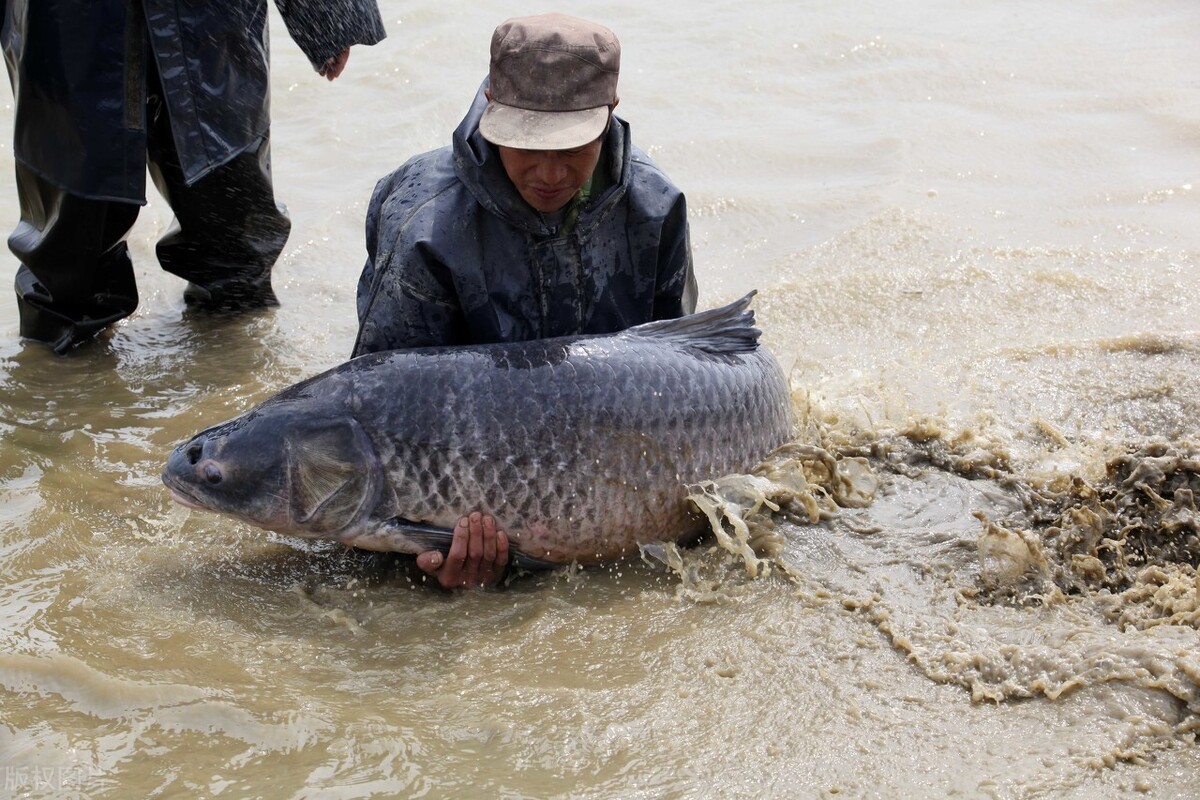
(721, 331)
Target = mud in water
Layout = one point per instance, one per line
(1007, 586)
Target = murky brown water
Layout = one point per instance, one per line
(973, 229)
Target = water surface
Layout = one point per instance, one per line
(973, 230)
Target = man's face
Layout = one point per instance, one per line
(548, 179)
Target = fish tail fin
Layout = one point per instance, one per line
(726, 330)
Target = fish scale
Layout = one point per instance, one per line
(582, 447)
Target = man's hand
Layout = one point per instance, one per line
(334, 66)
(478, 555)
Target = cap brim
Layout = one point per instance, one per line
(509, 126)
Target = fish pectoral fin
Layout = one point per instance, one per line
(528, 562)
(434, 537)
(427, 537)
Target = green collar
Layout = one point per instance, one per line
(577, 203)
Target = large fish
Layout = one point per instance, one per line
(583, 447)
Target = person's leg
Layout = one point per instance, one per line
(228, 229)
(75, 277)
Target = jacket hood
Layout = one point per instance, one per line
(477, 164)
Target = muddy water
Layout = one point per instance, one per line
(973, 230)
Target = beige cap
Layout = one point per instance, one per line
(553, 81)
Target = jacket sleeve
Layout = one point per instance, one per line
(675, 294)
(324, 28)
(405, 296)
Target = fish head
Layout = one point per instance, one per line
(316, 477)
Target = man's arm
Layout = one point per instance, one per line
(406, 296)
(326, 29)
(395, 317)
(675, 295)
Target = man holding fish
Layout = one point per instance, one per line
(541, 219)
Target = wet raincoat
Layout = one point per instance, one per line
(81, 94)
(455, 256)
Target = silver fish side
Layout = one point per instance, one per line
(582, 447)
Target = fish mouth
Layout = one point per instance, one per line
(181, 495)
(184, 499)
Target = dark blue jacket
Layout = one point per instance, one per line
(78, 77)
(455, 256)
